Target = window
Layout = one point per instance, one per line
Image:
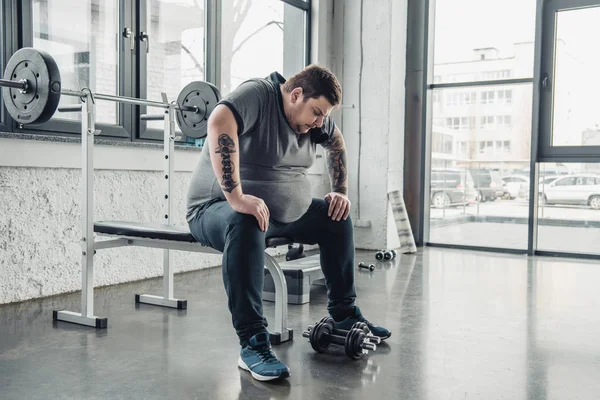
(442, 143)
(504, 96)
(491, 53)
(565, 182)
(271, 33)
(487, 121)
(487, 97)
(145, 48)
(173, 52)
(86, 52)
(569, 117)
(81, 37)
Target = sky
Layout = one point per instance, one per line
(463, 25)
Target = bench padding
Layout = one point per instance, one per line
(163, 232)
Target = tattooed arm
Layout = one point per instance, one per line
(339, 204)
(223, 144)
(336, 162)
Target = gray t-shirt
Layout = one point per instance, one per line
(273, 159)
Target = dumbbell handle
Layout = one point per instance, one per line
(343, 333)
(335, 339)
(368, 345)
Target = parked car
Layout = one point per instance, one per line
(582, 189)
(451, 187)
(488, 184)
(543, 182)
(516, 185)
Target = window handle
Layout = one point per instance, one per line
(127, 33)
(144, 37)
(545, 81)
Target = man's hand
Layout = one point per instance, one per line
(339, 206)
(248, 204)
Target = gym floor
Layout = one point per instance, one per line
(465, 325)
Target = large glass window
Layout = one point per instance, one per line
(80, 35)
(148, 47)
(569, 207)
(3, 43)
(481, 132)
(174, 46)
(575, 118)
(259, 37)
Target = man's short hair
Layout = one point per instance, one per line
(316, 81)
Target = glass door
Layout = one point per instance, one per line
(568, 212)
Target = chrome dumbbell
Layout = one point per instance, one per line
(362, 265)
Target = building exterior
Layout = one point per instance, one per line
(483, 126)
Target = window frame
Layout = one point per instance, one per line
(6, 41)
(548, 152)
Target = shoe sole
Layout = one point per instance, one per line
(386, 337)
(258, 377)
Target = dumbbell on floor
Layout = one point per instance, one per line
(362, 265)
(355, 341)
(385, 255)
(357, 325)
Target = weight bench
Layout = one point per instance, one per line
(165, 236)
(169, 237)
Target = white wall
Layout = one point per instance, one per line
(40, 223)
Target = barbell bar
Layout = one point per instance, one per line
(33, 93)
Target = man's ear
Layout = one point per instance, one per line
(296, 94)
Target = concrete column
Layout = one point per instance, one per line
(372, 49)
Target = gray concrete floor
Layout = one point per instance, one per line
(466, 325)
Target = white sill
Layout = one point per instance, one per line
(54, 154)
(36, 153)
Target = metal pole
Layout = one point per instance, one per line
(22, 84)
(87, 206)
(169, 149)
(129, 100)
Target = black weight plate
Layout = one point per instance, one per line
(41, 99)
(320, 337)
(205, 97)
(352, 346)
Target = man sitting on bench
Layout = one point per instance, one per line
(251, 184)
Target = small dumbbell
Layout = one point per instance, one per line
(385, 255)
(370, 267)
(357, 325)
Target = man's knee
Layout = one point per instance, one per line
(244, 226)
(341, 227)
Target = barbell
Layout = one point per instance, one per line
(31, 90)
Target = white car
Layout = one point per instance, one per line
(516, 185)
(582, 189)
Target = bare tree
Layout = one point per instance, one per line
(239, 11)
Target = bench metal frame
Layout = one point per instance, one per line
(280, 332)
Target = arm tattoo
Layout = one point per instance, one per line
(336, 163)
(226, 146)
